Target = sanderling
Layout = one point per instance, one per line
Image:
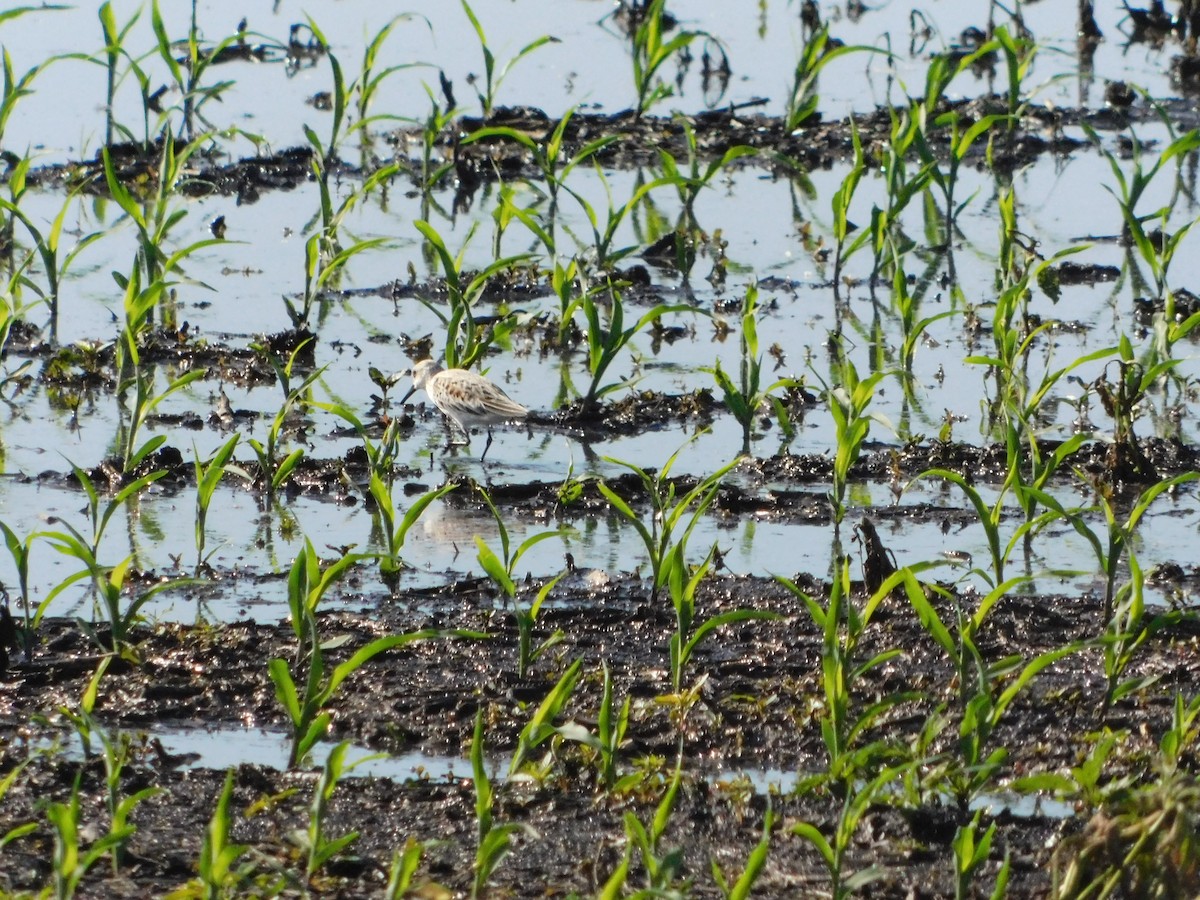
(467, 398)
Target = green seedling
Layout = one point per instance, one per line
(108, 582)
(48, 245)
(318, 847)
(16, 89)
(327, 151)
(208, 476)
(116, 751)
(888, 241)
(842, 199)
(390, 563)
(381, 459)
(843, 727)
(494, 840)
(651, 51)
(99, 516)
(604, 235)
(569, 286)
(145, 401)
(848, 399)
(1089, 784)
(1125, 633)
(743, 888)
(305, 705)
(942, 70)
(305, 698)
(466, 343)
(81, 717)
(607, 741)
(1014, 337)
(120, 618)
(20, 551)
(610, 731)
(404, 866)
(548, 155)
(860, 796)
(818, 52)
(605, 343)
(509, 210)
(274, 472)
(1156, 251)
(308, 583)
(385, 383)
(982, 702)
(688, 183)
(682, 583)
(1110, 544)
(325, 259)
(155, 219)
(220, 874)
(491, 78)
(992, 516)
(746, 398)
(662, 866)
(189, 73)
(912, 328)
(1180, 736)
(114, 49)
(1019, 53)
(71, 861)
(381, 455)
(501, 569)
(1016, 251)
(13, 309)
(6, 783)
(540, 726)
(370, 81)
(668, 516)
(436, 122)
(971, 851)
(1018, 406)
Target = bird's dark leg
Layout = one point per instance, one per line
(486, 446)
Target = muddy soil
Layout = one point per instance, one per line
(757, 705)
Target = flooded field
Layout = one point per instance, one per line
(836, 535)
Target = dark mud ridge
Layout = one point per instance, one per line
(754, 701)
(816, 144)
(759, 487)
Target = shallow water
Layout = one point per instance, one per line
(232, 293)
(589, 66)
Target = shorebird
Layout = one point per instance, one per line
(467, 398)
